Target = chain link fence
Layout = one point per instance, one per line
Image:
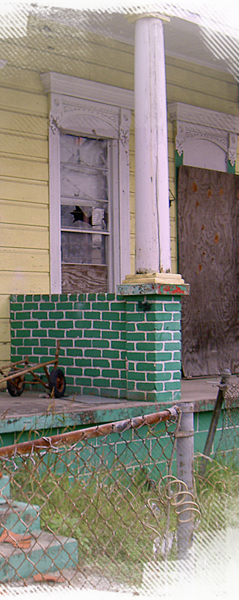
(90, 508)
(228, 443)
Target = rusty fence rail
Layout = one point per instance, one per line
(90, 508)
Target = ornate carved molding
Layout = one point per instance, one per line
(71, 104)
(232, 148)
(192, 122)
(124, 129)
(180, 137)
(54, 123)
(232, 157)
(81, 116)
(90, 90)
(206, 133)
(202, 116)
(179, 146)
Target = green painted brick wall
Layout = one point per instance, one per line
(109, 345)
(85, 326)
(154, 348)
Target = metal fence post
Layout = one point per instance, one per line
(215, 418)
(185, 457)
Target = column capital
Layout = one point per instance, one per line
(146, 11)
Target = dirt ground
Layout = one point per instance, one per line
(82, 583)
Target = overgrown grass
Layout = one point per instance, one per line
(118, 519)
(114, 517)
(217, 540)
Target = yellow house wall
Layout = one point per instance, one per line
(24, 194)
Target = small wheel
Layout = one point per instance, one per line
(17, 385)
(57, 383)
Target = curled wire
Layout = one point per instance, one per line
(180, 498)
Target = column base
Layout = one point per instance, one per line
(153, 283)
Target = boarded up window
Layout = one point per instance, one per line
(208, 229)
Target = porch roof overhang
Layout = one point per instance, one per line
(206, 33)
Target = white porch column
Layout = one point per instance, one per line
(151, 149)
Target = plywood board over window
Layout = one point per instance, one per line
(89, 184)
(208, 230)
(208, 213)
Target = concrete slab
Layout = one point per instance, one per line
(34, 403)
(202, 391)
(193, 390)
(84, 583)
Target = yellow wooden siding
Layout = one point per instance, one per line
(29, 145)
(5, 343)
(24, 207)
(21, 123)
(5, 329)
(23, 282)
(25, 190)
(21, 260)
(24, 236)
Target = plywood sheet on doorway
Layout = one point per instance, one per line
(208, 225)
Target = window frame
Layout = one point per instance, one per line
(91, 109)
(109, 249)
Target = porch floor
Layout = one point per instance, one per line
(202, 392)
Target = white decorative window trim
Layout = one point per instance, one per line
(88, 108)
(192, 122)
(232, 148)
(89, 90)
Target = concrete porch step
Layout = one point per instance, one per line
(19, 517)
(47, 553)
(4, 488)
